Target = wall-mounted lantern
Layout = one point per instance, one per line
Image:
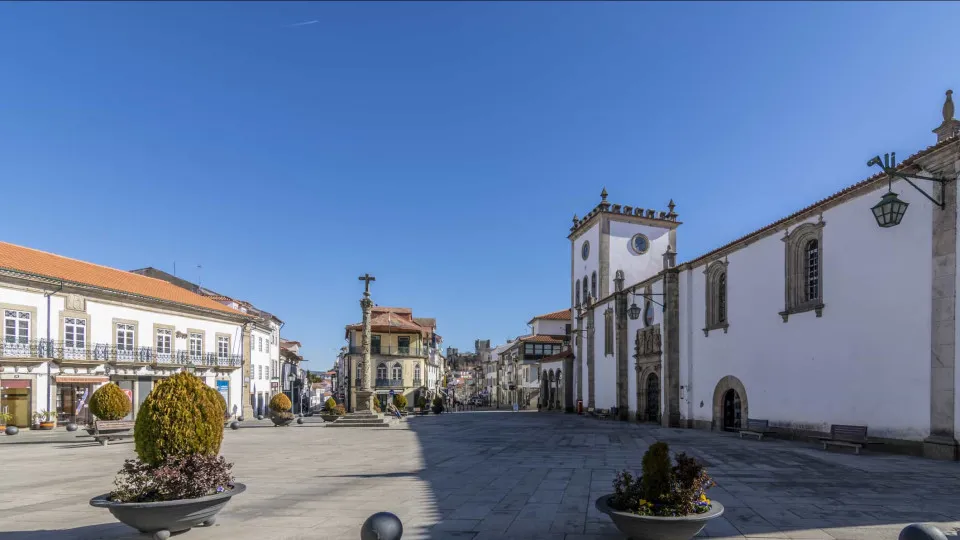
(889, 211)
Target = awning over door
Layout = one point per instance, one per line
(82, 379)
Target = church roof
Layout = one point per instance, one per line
(51, 266)
(811, 209)
(561, 315)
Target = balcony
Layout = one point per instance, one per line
(384, 350)
(418, 382)
(100, 353)
(389, 383)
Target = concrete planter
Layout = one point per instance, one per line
(281, 418)
(166, 517)
(46, 426)
(329, 417)
(638, 527)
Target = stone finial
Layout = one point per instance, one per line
(575, 221)
(603, 195)
(950, 126)
(671, 214)
(604, 205)
(948, 107)
(669, 257)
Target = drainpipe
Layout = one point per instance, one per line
(50, 349)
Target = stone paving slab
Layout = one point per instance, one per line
(488, 475)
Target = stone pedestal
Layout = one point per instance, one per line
(941, 447)
(364, 400)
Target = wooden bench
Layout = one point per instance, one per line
(603, 413)
(591, 412)
(842, 435)
(758, 428)
(105, 431)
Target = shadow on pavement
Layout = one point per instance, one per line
(106, 530)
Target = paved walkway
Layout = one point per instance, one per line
(488, 475)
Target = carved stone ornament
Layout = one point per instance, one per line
(648, 342)
(75, 302)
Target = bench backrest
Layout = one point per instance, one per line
(590, 410)
(852, 433)
(757, 425)
(416, 409)
(105, 425)
(604, 411)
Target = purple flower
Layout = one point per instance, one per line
(219, 489)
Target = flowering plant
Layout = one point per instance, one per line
(663, 490)
(177, 477)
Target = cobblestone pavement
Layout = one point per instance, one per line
(488, 475)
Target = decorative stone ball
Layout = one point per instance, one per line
(381, 526)
(71, 426)
(234, 425)
(239, 419)
(921, 531)
(12, 430)
(299, 420)
(259, 417)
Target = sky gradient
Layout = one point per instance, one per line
(442, 147)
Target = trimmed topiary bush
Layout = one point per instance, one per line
(109, 402)
(400, 401)
(422, 403)
(280, 403)
(656, 472)
(437, 405)
(181, 416)
(330, 404)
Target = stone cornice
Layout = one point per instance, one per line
(626, 214)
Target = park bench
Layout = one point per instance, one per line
(842, 435)
(758, 428)
(105, 431)
(591, 412)
(603, 413)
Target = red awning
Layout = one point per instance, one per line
(82, 379)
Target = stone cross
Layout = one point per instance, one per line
(366, 286)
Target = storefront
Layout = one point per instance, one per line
(224, 388)
(16, 397)
(73, 397)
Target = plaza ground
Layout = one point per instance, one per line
(485, 475)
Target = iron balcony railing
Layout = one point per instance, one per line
(389, 350)
(389, 382)
(418, 382)
(103, 352)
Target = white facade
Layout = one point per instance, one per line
(96, 336)
(824, 317)
(264, 364)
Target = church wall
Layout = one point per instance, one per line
(635, 267)
(584, 268)
(865, 361)
(632, 327)
(605, 365)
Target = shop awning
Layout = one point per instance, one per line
(82, 379)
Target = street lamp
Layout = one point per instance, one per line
(889, 211)
(290, 378)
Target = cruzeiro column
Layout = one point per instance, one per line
(365, 393)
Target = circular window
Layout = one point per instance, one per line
(585, 250)
(639, 244)
(648, 314)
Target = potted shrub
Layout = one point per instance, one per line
(45, 420)
(437, 405)
(400, 402)
(109, 403)
(178, 481)
(4, 418)
(332, 411)
(280, 410)
(668, 502)
(422, 403)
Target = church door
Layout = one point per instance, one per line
(731, 410)
(653, 397)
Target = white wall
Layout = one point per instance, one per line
(605, 367)
(865, 361)
(550, 327)
(656, 290)
(635, 267)
(584, 268)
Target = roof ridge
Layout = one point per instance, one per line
(52, 254)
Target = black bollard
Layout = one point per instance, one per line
(234, 425)
(12, 430)
(259, 417)
(71, 426)
(381, 526)
(921, 531)
(299, 420)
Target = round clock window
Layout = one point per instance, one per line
(639, 244)
(585, 250)
(648, 314)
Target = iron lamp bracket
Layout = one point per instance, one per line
(888, 166)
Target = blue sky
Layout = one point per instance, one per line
(442, 147)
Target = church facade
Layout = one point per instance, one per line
(841, 313)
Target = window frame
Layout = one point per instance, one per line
(76, 322)
(796, 269)
(716, 313)
(223, 352)
(17, 318)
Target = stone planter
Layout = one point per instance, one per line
(638, 527)
(46, 426)
(282, 418)
(329, 417)
(166, 517)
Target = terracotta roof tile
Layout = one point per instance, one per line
(905, 164)
(33, 261)
(562, 315)
(540, 338)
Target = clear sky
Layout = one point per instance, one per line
(443, 147)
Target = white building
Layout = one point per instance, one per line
(70, 326)
(820, 318)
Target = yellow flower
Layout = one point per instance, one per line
(643, 502)
(703, 497)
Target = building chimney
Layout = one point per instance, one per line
(950, 125)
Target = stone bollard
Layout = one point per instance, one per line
(71, 426)
(921, 531)
(381, 526)
(234, 425)
(300, 420)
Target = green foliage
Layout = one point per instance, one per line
(330, 404)
(437, 405)
(656, 472)
(400, 401)
(340, 410)
(109, 402)
(180, 417)
(4, 418)
(280, 403)
(422, 402)
(376, 405)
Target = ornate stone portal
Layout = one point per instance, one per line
(647, 352)
(365, 392)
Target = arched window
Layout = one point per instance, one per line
(381, 371)
(593, 284)
(804, 269)
(811, 270)
(416, 372)
(716, 299)
(577, 289)
(586, 291)
(397, 372)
